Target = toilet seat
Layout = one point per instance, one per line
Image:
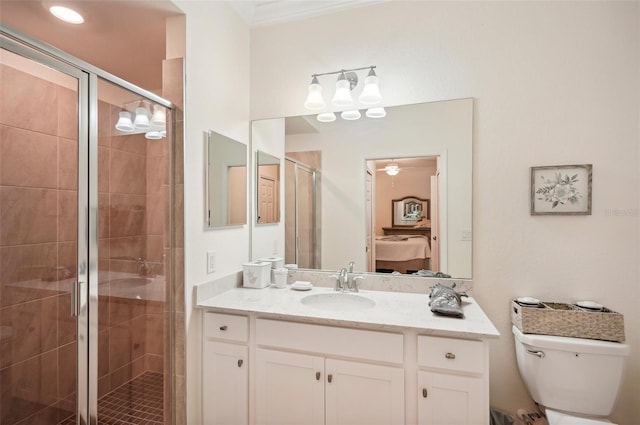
(558, 418)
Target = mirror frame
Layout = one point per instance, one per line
(210, 138)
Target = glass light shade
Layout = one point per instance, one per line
(153, 135)
(142, 119)
(376, 112)
(371, 93)
(351, 115)
(124, 122)
(326, 117)
(392, 169)
(314, 98)
(66, 14)
(342, 96)
(158, 118)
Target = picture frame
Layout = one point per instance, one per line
(561, 189)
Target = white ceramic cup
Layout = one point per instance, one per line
(280, 277)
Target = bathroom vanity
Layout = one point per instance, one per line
(278, 356)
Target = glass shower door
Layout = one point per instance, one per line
(133, 246)
(40, 264)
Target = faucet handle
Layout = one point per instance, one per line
(354, 283)
(337, 279)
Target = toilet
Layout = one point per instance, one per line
(576, 380)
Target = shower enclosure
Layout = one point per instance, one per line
(302, 206)
(85, 244)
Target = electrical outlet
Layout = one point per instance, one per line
(465, 235)
(211, 262)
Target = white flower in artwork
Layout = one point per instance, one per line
(560, 190)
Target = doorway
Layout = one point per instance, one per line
(85, 243)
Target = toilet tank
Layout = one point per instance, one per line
(571, 374)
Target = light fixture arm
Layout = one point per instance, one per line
(343, 71)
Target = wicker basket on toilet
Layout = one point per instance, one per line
(551, 318)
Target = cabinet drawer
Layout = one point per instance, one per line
(460, 355)
(226, 326)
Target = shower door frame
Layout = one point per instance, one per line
(85, 291)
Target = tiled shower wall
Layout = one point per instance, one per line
(37, 249)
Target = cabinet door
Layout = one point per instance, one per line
(289, 388)
(451, 400)
(364, 394)
(224, 384)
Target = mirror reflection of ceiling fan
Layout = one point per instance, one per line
(392, 166)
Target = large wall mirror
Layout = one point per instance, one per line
(267, 188)
(226, 181)
(431, 144)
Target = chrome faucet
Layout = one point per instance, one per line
(343, 279)
(343, 283)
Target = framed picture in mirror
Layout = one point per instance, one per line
(409, 210)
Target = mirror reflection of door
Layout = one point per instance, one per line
(268, 188)
(370, 231)
(435, 221)
(267, 208)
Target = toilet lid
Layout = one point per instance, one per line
(559, 418)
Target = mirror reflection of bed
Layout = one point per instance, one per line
(405, 218)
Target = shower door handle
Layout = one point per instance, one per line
(76, 288)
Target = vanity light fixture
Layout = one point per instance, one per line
(347, 81)
(326, 117)
(153, 125)
(351, 115)
(65, 14)
(377, 112)
(314, 98)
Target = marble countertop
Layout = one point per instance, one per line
(392, 310)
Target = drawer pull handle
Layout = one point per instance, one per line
(223, 327)
(424, 393)
(330, 378)
(450, 356)
(317, 376)
(240, 361)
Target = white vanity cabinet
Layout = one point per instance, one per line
(452, 381)
(274, 360)
(225, 371)
(301, 388)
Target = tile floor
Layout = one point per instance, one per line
(138, 402)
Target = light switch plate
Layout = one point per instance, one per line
(211, 261)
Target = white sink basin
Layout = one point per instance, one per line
(338, 302)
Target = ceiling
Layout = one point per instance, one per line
(127, 37)
(269, 12)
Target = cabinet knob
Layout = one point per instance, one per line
(330, 378)
(223, 327)
(317, 376)
(450, 356)
(424, 392)
(240, 362)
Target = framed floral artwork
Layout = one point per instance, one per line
(561, 190)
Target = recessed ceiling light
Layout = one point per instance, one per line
(66, 14)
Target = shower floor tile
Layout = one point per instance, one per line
(138, 402)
